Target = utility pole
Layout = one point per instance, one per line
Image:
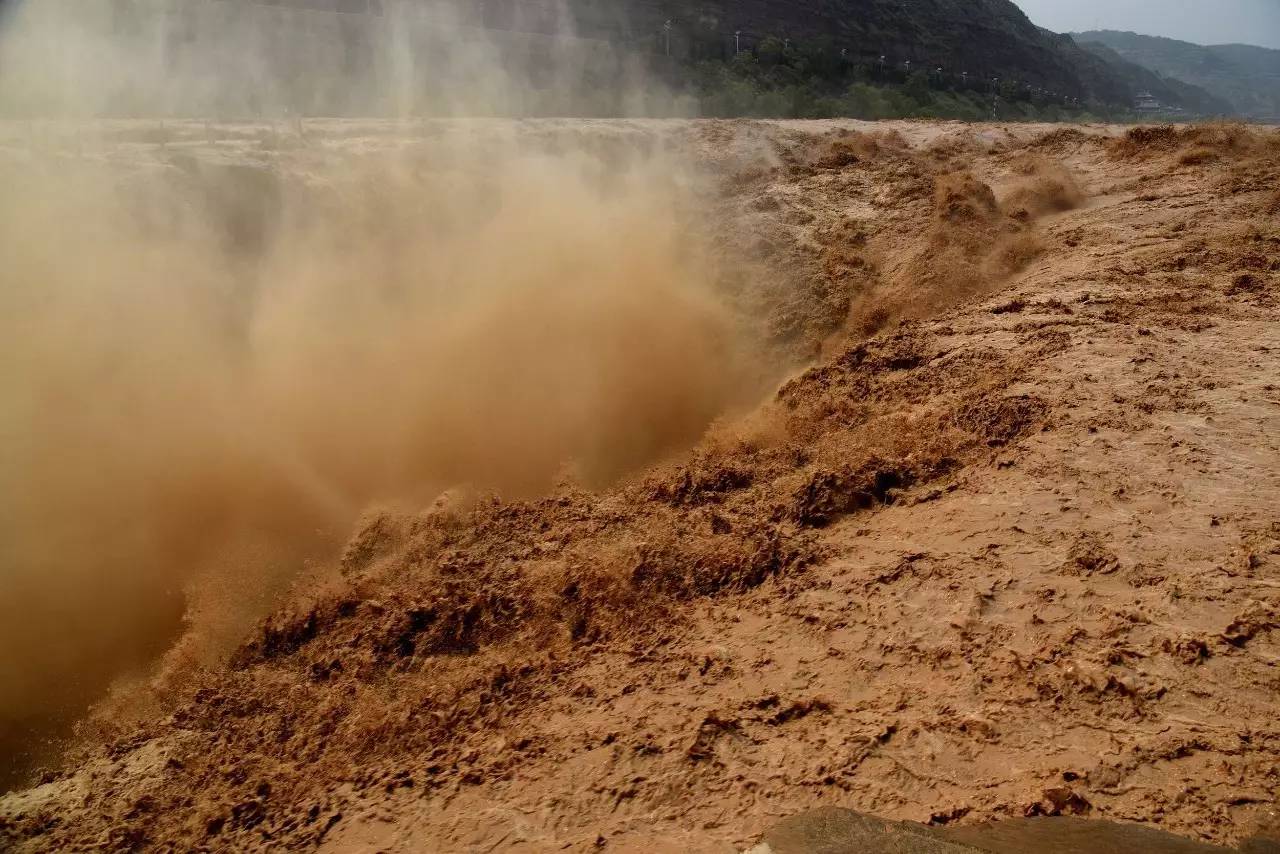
(667, 29)
(737, 41)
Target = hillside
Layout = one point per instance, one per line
(985, 38)
(330, 57)
(1166, 90)
(1247, 76)
(961, 45)
(987, 46)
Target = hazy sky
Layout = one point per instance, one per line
(1200, 21)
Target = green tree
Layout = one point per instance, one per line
(917, 88)
(770, 51)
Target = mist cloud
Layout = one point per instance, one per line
(222, 344)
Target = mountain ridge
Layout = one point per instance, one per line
(1247, 76)
(975, 48)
